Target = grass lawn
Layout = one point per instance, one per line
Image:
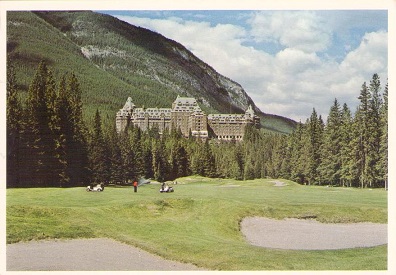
(199, 222)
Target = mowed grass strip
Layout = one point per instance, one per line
(199, 222)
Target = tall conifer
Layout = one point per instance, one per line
(314, 131)
(374, 131)
(361, 137)
(115, 159)
(14, 129)
(79, 172)
(346, 150)
(98, 157)
(63, 134)
(383, 161)
(330, 166)
(40, 137)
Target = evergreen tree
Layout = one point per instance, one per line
(330, 166)
(14, 130)
(197, 161)
(314, 131)
(383, 151)
(115, 158)
(283, 157)
(148, 158)
(297, 144)
(98, 155)
(179, 160)
(248, 171)
(346, 151)
(41, 144)
(224, 160)
(136, 147)
(78, 149)
(126, 157)
(63, 134)
(209, 165)
(374, 131)
(238, 167)
(160, 164)
(361, 137)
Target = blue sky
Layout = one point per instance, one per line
(289, 62)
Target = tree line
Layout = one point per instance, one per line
(347, 150)
(46, 137)
(50, 145)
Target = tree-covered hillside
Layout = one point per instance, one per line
(114, 60)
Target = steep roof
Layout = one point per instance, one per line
(186, 104)
(129, 104)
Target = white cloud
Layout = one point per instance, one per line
(300, 30)
(371, 56)
(294, 80)
(294, 61)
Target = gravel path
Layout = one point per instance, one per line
(312, 235)
(83, 255)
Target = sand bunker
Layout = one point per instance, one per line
(83, 255)
(312, 235)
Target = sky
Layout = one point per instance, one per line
(288, 61)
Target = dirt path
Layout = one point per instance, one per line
(312, 235)
(84, 255)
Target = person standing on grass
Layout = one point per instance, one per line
(135, 184)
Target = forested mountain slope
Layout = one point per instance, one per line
(114, 60)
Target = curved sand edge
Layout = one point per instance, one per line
(298, 234)
(83, 255)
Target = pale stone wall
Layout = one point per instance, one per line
(187, 116)
(228, 126)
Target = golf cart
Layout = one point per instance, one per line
(95, 188)
(165, 188)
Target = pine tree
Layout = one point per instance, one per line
(248, 171)
(284, 155)
(209, 164)
(136, 146)
(115, 158)
(126, 157)
(41, 142)
(383, 152)
(297, 144)
(238, 167)
(346, 150)
(197, 161)
(98, 157)
(226, 165)
(374, 131)
(160, 164)
(63, 134)
(361, 137)
(330, 166)
(79, 173)
(179, 160)
(14, 130)
(314, 131)
(148, 158)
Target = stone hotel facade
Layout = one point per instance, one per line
(189, 117)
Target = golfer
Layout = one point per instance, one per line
(135, 184)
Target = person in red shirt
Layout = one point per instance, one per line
(135, 184)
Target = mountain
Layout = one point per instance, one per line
(114, 60)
